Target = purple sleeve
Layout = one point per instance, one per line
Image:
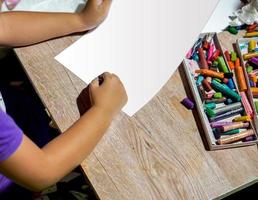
(10, 136)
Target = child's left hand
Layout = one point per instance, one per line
(94, 13)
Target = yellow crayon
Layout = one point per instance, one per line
(246, 118)
(251, 46)
(252, 34)
(250, 55)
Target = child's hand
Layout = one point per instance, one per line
(94, 13)
(110, 96)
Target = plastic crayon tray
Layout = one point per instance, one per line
(218, 101)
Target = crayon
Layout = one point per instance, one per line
(225, 90)
(251, 46)
(256, 106)
(209, 79)
(249, 69)
(199, 80)
(232, 30)
(231, 132)
(241, 79)
(254, 60)
(222, 65)
(201, 92)
(221, 100)
(210, 51)
(245, 118)
(226, 115)
(217, 95)
(203, 62)
(225, 80)
(220, 124)
(231, 65)
(205, 45)
(236, 137)
(207, 72)
(253, 78)
(210, 105)
(246, 104)
(253, 34)
(206, 85)
(252, 27)
(227, 55)
(237, 62)
(233, 56)
(215, 55)
(250, 55)
(249, 139)
(254, 89)
(236, 125)
(224, 109)
(228, 101)
(255, 94)
(188, 103)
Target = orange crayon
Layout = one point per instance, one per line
(211, 73)
(241, 79)
(237, 62)
(231, 65)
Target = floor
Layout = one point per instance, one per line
(19, 96)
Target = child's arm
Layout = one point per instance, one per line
(37, 168)
(24, 28)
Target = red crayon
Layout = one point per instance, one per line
(203, 62)
(215, 55)
(227, 55)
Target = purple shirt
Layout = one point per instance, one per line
(10, 140)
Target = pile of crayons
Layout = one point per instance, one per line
(249, 51)
(227, 108)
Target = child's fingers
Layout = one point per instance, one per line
(94, 83)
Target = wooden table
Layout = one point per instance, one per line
(157, 154)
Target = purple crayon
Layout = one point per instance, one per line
(188, 103)
(254, 61)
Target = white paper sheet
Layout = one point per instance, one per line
(143, 42)
(220, 18)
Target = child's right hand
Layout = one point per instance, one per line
(94, 13)
(110, 96)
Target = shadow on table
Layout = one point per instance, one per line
(83, 101)
(195, 113)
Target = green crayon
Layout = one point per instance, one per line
(225, 90)
(222, 65)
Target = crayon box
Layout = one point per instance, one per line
(220, 94)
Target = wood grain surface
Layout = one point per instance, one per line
(157, 154)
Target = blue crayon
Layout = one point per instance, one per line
(251, 83)
(228, 101)
(195, 57)
(231, 84)
(199, 80)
